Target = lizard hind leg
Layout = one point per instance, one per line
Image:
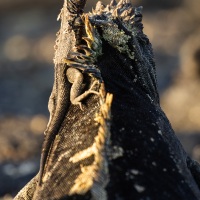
(76, 78)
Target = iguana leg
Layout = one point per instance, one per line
(76, 78)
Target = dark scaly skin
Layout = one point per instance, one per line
(60, 91)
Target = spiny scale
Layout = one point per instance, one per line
(83, 57)
(122, 10)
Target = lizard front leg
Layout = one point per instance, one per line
(76, 78)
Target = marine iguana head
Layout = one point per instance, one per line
(120, 27)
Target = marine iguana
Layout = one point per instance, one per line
(132, 153)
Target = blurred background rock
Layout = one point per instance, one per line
(27, 38)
